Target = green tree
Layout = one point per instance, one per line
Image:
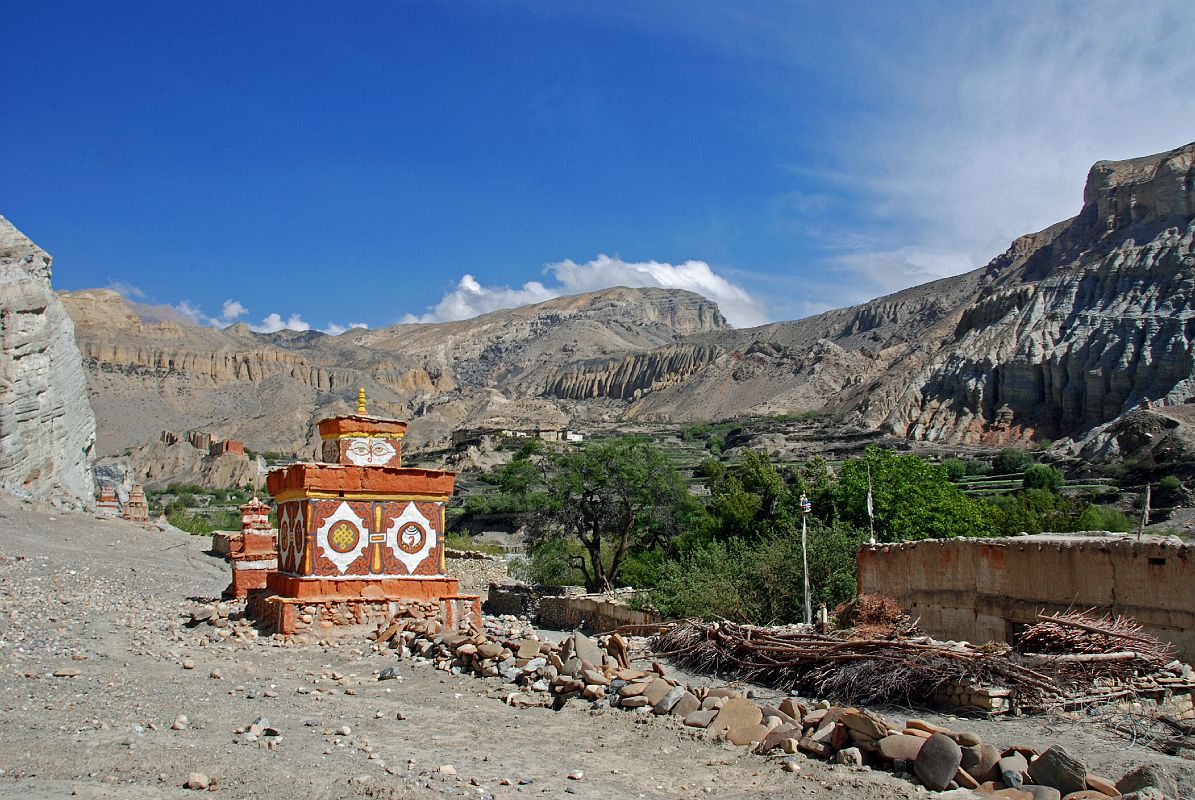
(912, 499)
(1010, 460)
(612, 497)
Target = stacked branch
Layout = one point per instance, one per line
(849, 670)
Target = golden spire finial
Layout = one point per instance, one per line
(361, 400)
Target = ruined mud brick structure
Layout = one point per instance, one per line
(985, 590)
(226, 446)
(358, 534)
(136, 509)
(252, 553)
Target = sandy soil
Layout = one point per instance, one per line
(108, 599)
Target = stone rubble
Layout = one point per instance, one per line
(550, 675)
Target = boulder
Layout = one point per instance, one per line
(1058, 768)
(587, 649)
(899, 746)
(1146, 776)
(980, 761)
(938, 761)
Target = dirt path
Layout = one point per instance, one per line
(104, 598)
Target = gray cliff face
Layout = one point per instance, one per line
(1096, 317)
(47, 428)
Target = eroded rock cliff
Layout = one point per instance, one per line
(47, 428)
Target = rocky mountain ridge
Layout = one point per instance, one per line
(1068, 329)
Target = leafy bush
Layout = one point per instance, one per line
(976, 466)
(1170, 489)
(760, 581)
(955, 468)
(1042, 476)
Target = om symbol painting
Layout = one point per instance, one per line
(411, 537)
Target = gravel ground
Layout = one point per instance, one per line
(103, 602)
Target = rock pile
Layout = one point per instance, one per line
(600, 671)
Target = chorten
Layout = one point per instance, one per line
(357, 533)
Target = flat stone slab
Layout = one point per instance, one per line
(702, 718)
(738, 712)
(687, 704)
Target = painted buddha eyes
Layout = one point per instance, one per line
(364, 452)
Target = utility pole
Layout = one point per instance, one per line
(871, 517)
(1144, 514)
(806, 507)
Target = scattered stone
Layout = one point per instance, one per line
(447, 769)
(1012, 769)
(1101, 784)
(869, 725)
(980, 762)
(700, 719)
(849, 757)
(900, 747)
(665, 703)
(576, 775)
(687, 705)
(68, 672)
(388, 674)
(189, 664)
(197, 781)
(938, 761)
(344, 730)
(180, 723)
(1039, 792)
(1056, 767)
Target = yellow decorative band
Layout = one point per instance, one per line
(363, 436)
(303, 494)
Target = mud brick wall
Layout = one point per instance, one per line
(597, 611)
(985, 589)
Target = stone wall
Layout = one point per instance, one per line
(567, 607)
(985, 589)
(592, 612)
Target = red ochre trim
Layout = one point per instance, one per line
(314, 590)
(368, 480)
(353, 423)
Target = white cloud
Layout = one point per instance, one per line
(233, 310)
(470, 298)
(127, 289)
(988, 134)
(274, 323)
(335, 330)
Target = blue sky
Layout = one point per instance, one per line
(324, 164)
